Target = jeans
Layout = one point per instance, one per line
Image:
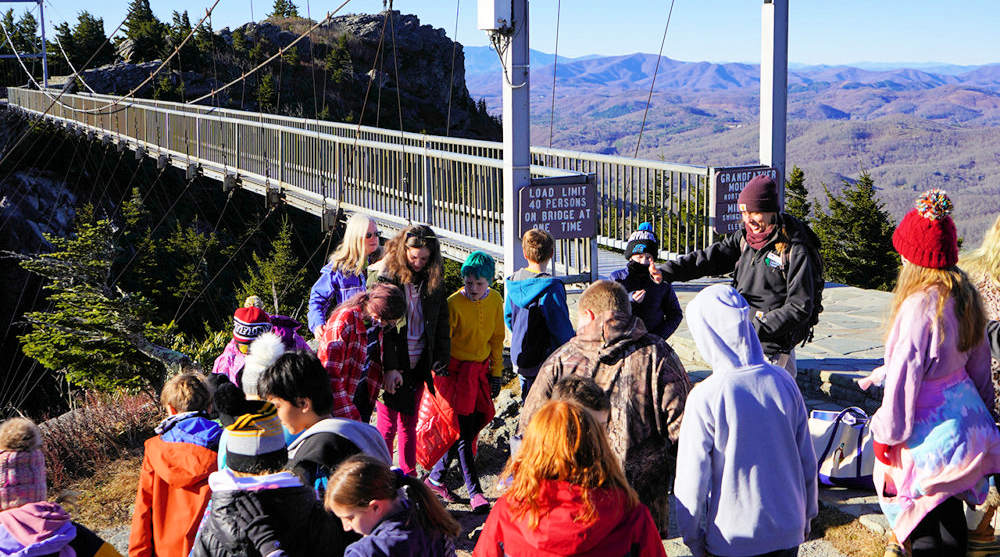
(388, 422)
(526, 383)
(468, 427)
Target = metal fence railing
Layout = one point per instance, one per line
(399, 177)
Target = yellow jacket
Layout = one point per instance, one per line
(477, 329)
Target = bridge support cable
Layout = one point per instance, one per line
(451, 78)
(204, 252)
(281, 52)
(226, 264)
(652, 83)
(404, 167)
(555, 65)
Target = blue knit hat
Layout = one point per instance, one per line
(642, 241)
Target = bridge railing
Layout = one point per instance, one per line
(455, 184)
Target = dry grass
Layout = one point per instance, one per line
(105, 499)
(847, 534)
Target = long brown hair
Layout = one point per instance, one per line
(417, 236)
(950, 282)
(564, 443)
(362, 479)
(983, 263)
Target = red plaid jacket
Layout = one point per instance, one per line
(342, 350)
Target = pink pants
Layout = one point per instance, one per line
(388, 421)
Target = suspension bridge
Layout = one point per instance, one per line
(398, 178)
(467, 190)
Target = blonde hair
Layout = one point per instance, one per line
(564, 443)
(186, 392)
(537, 245)
(984, 261)
(950, 282)
(605, 295)
(351, 255)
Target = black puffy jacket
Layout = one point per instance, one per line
(783, 296)
(302, 525)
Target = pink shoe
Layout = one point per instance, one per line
(479, 504)
(440, 490)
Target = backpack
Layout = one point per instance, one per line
(536, 341)
(812, 244)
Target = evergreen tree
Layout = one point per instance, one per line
(89, 38)
(95, 333)
(856, 237)
(25, 34)
(145, 31)
(278, 278)
(7, 20)
(180, 27)
(266, 93)
(338, 63)
(284, 8)
(796, 195)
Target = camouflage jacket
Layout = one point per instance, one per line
(647, 385)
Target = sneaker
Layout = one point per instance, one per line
(440, 490)
(479, 504)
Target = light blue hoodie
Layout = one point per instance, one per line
(746, 471)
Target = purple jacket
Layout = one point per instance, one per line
(231, 361)
(331, 290)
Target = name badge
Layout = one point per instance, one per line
(772, 259)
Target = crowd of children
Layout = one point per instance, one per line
(274, 453)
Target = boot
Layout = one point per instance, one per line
(982, 539)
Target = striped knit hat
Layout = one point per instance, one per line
(255, 442)
(22, 464)
(249, 323)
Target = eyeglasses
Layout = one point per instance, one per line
(370, 235)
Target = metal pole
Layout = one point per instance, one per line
(516, 134)
(45, 56)
(774, 84)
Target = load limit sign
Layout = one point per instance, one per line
(564, 206)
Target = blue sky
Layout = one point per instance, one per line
(821, 31)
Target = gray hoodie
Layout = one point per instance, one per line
(746, 471)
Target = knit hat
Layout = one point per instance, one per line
(760, 195)
(22, 464)
(927, 236)
(642, 241)
(249, 323)
(255, 442)
(264, 351)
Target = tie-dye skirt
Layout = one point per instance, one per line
(953, 447)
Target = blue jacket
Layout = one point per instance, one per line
(548, 295)
(659, 310)
(331, 290)
(399, 535)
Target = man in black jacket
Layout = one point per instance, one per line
(772, 268)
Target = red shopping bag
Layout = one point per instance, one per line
(437, 429)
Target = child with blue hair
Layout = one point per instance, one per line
(474, 371)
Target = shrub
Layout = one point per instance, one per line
(104, 428)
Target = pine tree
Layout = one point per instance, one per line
(278, 278)
(266, 93)
(856, 237)
(95, 333)
(89, 40)
(145, 31)
(284, 8)
(796, 195)
(338, 63)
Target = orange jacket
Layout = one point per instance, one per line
(172, 496)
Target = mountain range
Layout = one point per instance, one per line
(912, 128)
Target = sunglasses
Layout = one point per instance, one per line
(420, 238)
(370, 235)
